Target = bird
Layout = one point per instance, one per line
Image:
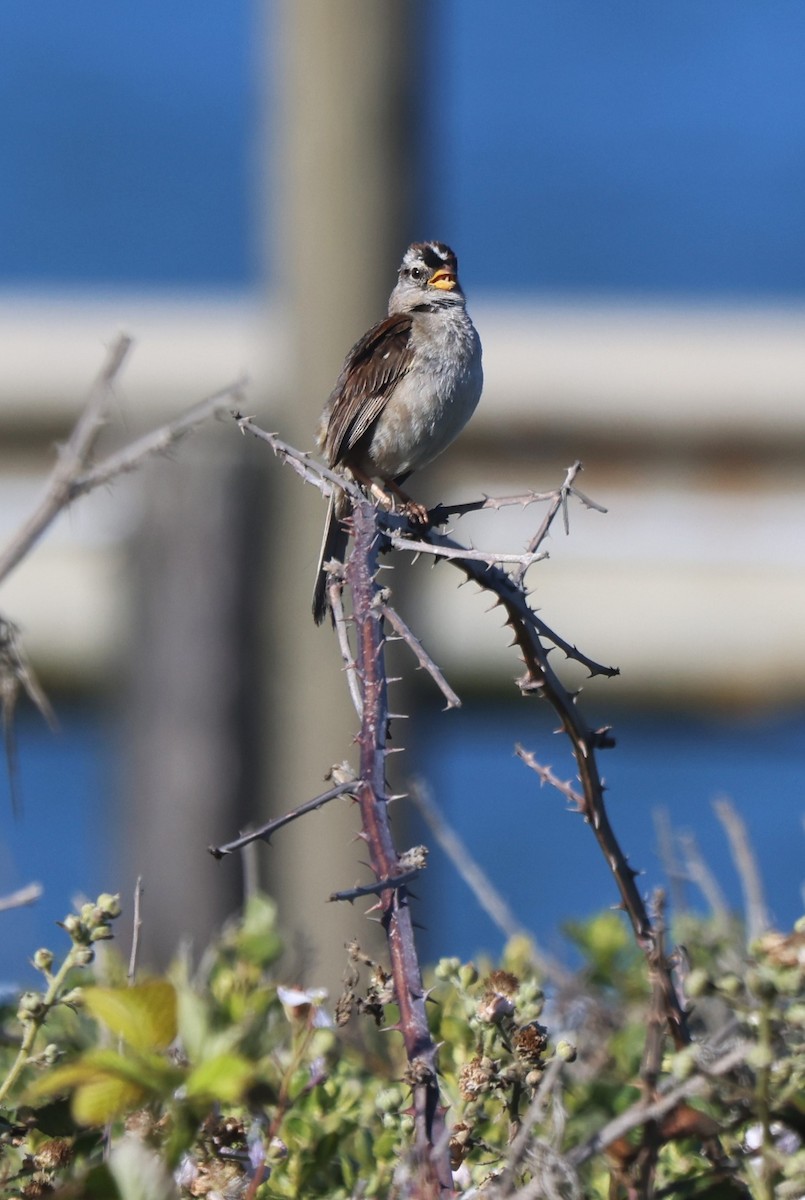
(406, 390)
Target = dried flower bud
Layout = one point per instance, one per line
(53, 1154)
(500, 989)
(460, 1145)
(530, 1042)
(476, 1077)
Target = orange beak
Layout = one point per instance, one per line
(443, 279)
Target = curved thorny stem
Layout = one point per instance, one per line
(430, 1141)
(540, 679)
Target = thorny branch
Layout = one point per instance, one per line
(430, 1143)
(376, 889)
(374, 531)
(418, 650)
(263, 834)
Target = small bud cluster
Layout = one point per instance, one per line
(511, 1048)
(91, 925)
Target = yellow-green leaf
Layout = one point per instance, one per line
(144, 1015)
(223, 1078)
(106, 1098)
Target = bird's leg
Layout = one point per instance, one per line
(415, 511)
(392, 497)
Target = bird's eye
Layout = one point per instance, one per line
(416, 273)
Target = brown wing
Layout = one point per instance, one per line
(372, 369)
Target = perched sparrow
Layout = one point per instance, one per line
(406, 390)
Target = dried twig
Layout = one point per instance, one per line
(17, 677)
(339, 621)
(488, 897)
(547, 775)
(535, 1113)
(157, 441)
(22, 897)
(423, 658)
(376, 889)
(447, 550)
(559, 504)
(757, 915)
(699, 874)
(264, 833)
(698, 1084)
(136, 929)
(72, 461)
(304, 464)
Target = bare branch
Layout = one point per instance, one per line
(22, 897)
(559, 503)
(479, 883)
(423, 658)
(304, 464)
(546, 775)
(534, 1114)
(265, 831)
(376, 889)
(495, 583)
(16, 677)
(339, 621)
(699, 874)
(136, 928)
(757, 916)
(158, 441)
(72, 460)
(442, 549)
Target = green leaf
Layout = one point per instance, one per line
(104, 1098)
(144, 1015)
(104, 1084)
(257, 938)
(224, 1078)
(194, 1027)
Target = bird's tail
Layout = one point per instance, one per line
(333, 546)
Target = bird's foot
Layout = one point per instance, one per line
(416, 513)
